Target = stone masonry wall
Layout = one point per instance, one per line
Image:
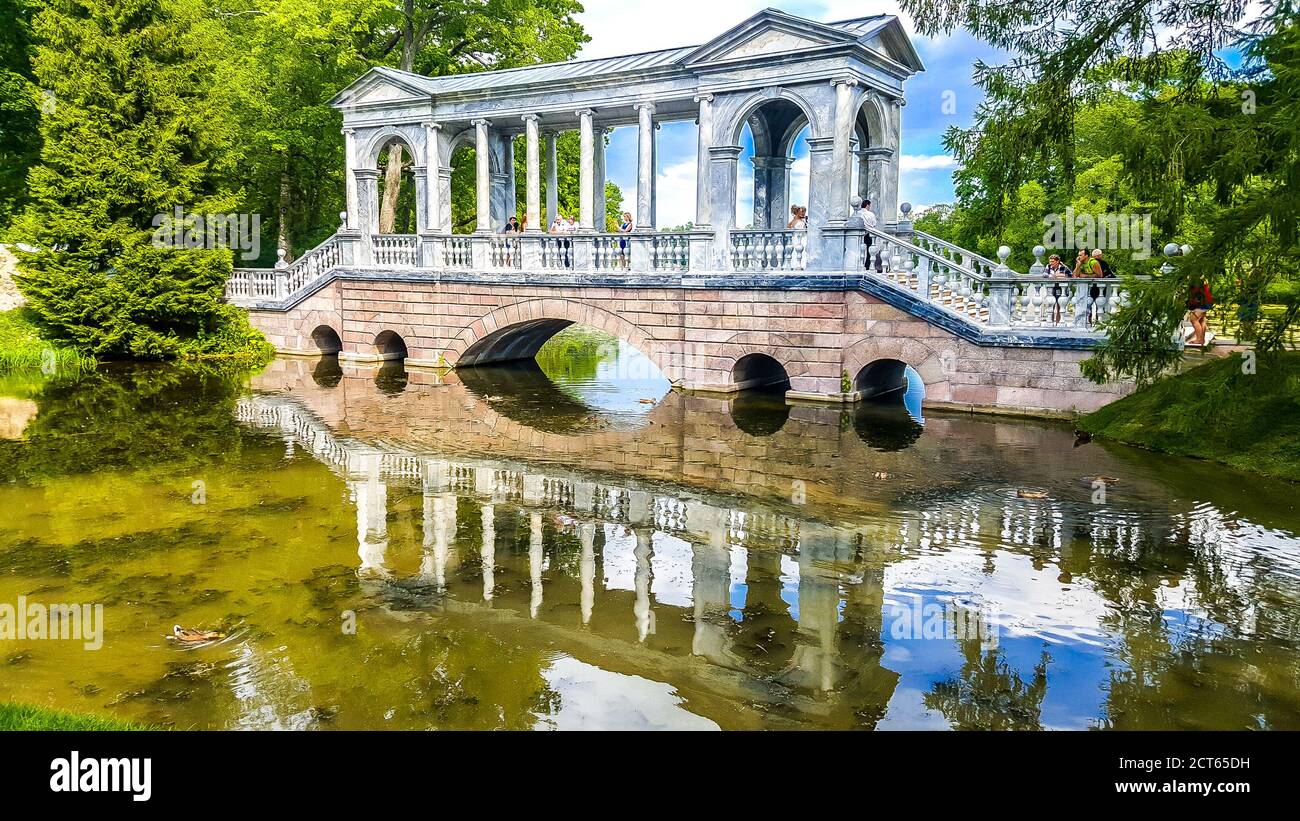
(696, 336)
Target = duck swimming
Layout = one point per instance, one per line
(182, 634)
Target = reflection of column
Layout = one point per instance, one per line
(819, 611)
(488, 553)
(586, 170)
(552, 181)
(587, 569)
(645, 173)
(482, 176)
(439, 510)
(372, 516)
(703, 210)
(535, 562)
(644, 615)
(710, 569)
(532, 175)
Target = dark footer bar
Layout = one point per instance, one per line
(144, 772)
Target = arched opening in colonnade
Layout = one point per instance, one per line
(397, 212)
(773, 167)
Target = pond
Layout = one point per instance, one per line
(570, 544)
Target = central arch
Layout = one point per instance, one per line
(517, 331)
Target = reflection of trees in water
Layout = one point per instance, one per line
(575, 353)
(987, 694)
(522, 392)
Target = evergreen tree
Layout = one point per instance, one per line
(135, 132)
(19, 115)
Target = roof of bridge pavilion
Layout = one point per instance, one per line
(769, 33)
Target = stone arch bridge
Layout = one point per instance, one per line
(832, 311)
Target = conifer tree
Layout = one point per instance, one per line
(134, 131)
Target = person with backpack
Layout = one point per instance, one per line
(1199, 302)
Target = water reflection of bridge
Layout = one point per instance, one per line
(683, 544)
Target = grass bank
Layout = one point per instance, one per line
(27, 717)
(1216, 412)
(23, 349)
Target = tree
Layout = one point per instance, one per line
(137, 131)
(284, 61)
(437, 37)
(1212, 151)
(19, 113)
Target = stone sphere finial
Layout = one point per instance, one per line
(1186, 249)
(1003, 253)
(906, 208)
(1039, 250)
(1172, 250)
(343, 217)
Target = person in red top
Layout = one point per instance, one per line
(1199, 302)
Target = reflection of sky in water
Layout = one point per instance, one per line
(620, 558)
(596, 699)
(738, 589)
(623, 378)
(671, 569)
(914, 394)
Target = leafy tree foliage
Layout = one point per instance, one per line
(1210, 150)
(135, 131)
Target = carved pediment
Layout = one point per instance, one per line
(768, 32)
(379, 86)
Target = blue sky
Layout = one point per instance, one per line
(927, 170)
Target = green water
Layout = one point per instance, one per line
(582, 548)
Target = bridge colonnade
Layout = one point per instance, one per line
(774, 73)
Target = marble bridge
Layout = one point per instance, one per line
(833, 312)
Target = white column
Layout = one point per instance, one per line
(841, 171)
(488, 552)
(645, 176)
(535, 562)
(483, 175)
(586, 171)
(598, 181)
(350, 168)
(552, 181)
(703, 211)
(532, 172)
(433, 165)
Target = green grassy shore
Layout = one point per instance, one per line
(26, 717)
(1216, 412)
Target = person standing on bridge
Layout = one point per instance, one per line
(870, 220)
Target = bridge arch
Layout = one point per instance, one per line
(518, 331)
(327, 340)
(878, 364)
(389, 344)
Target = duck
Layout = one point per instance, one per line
(1031, 494)
(1109, 480)
(1082, 437)
(182, 634)
(880, 474)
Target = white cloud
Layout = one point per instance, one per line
(925, 162)
(674, 194)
